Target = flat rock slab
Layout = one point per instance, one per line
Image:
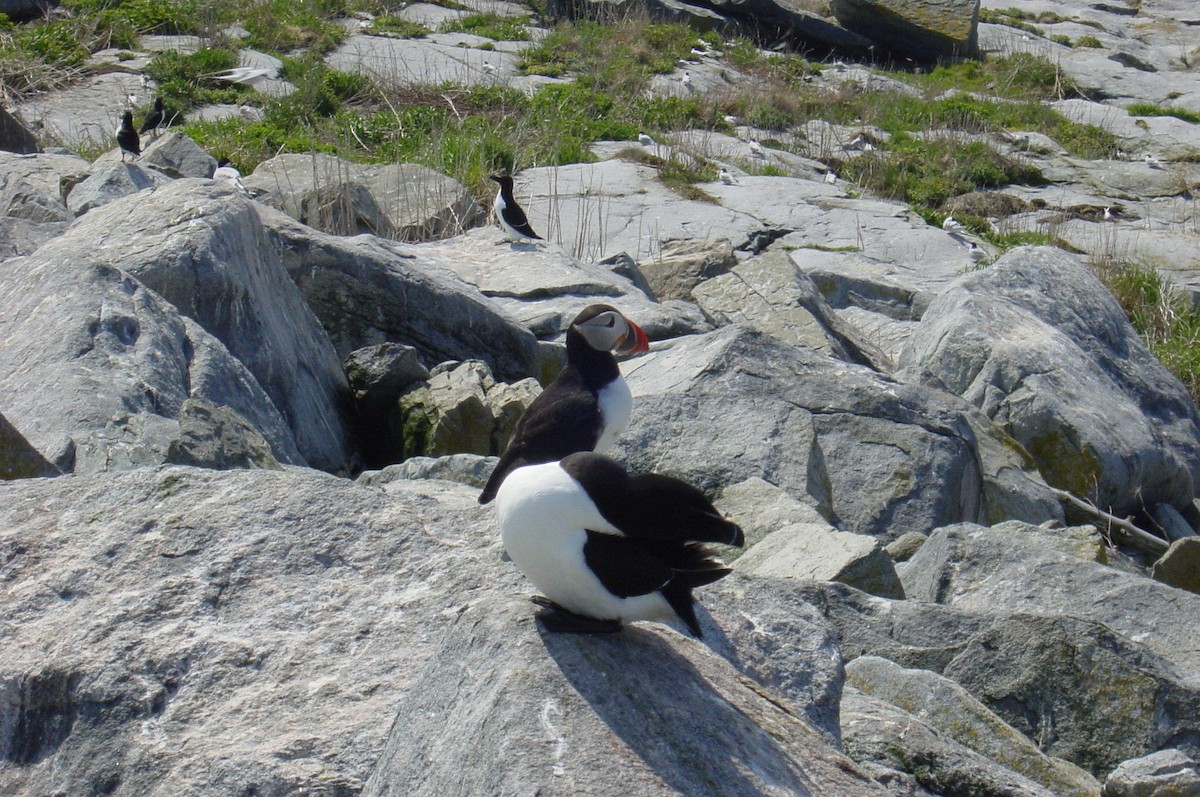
(406, 61)
(545, 287)
(86, 114)
(112, 181)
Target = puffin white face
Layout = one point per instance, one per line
(606, 331)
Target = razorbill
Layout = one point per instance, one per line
(154, 119)
(512, 219)
(587, 407)
(127, 137)
(607, 548)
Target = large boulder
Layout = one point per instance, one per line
(1167, 773)
(922, 30)
(1180, 565)
(31, 207)
(953, 711)
(1038, 344)
(94, 367)
(459, 410)
(398, 200)
(212, 436)
(1098, 664)
(883, 457)
(771, 294)
(203, 248)
(911, 756)
(368, 291)
(181, 630)
(176, 155)
(111, 181)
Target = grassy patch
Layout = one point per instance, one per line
(490, 26)
(1150, 109)
(1088, 41)
(1162, 314)
(928, 172)
(678, 174)
(188, 80)
(398, 27)
(611, 57)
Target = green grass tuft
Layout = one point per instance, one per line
(1150, 109)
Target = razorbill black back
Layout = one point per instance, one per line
(607, 548)
(587, 407)
(127, 137)
(512, 219)
(154, 119)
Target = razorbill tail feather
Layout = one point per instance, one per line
(607, 548)
(512, 219)
(154, 119)
(587, 407)
(127, 137)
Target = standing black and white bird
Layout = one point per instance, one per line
(587, 407)
(154, 119)
(127, 137)
(512, 219)
(227, 172)
(607, 548)
(725, 176)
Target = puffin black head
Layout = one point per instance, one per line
(604, 328)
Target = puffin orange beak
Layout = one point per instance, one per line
(634, 343)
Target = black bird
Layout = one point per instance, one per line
(587, 407)
(154, 119)
(607, 548)
(127, 137)
(512, 219)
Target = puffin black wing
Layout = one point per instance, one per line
(557, 423)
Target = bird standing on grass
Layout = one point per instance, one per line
(587, 407)
(154, 119)
(512, 219)
(127, 137)
(607, 548)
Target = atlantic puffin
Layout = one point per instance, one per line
(587, 407)
(606, 548)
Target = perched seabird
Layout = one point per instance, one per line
(731, 120)
(512, 219)
(975, 252)
(131, 99)
(227, 172)
(698, 53)
(725, 177)
(1109, 215)
(952, 224)
(607, 548)
(489, 67)
(127, 137)
(830, 178)
(756, 149)
(645, 140)
(144, 79)
(587, 407)
(686, 82)
(247, 75)
(154, 119)
(1152, 162)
